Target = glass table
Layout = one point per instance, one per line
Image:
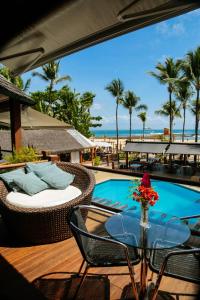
(165, 232)
(135, 166)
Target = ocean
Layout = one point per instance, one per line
(125, 133)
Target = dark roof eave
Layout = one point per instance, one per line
(20, 98)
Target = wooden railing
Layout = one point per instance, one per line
(6, 166)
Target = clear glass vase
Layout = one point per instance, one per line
(144, 220)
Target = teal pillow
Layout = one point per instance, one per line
(30, 183)
(55, 177)
(9, 177)
(32, 167)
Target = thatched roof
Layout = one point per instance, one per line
(9, 90)
(50, 140)
(33, 119)
(47, 32)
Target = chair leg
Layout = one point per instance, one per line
(135, 293)
(158, 281)
(151, 277)
(81, 266)
(82, 280)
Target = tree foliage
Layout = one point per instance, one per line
(191, 67)
(116, 89)
(130, 102)
(16, 80)
(168, 73)
(170, 110)
(70, 107)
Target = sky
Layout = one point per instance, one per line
(130, 57)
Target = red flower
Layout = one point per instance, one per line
(146, 180)
(144, 192)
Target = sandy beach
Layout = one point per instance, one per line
(147, 138)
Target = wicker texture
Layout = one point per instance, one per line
(98, 252)
(105, 254)
(46, 225)
(185, 266)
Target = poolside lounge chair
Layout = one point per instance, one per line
(122, 207)
(115, 204)
(100, 250)
(46, 224)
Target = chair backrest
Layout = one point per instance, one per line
(184, 266)
(79, 230)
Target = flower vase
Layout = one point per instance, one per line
(144, 221)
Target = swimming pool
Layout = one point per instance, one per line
(174, 199)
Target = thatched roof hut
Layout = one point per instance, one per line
(45, 133)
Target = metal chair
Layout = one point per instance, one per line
(181, 262)
(100, 250)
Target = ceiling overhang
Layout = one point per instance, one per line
(58, 29)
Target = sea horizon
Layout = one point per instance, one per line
(138, 132)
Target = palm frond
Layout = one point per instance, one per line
(42, 76)
(141, 107)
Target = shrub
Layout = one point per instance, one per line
(164, 138)
(122, 155)
(24, 154)
(133, 156)
(97, 161)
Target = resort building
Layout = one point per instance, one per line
(69, 232)
(37, 130)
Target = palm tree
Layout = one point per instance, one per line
(168, 73)
(192, 71)
(183, 94)
(143, 117)
(169, 110)
(16, 80)
(50, 74)
(130, 102)
(87, 100)
(193, 110)
(116, 88)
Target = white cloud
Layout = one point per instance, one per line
(162, 27)
(108, 120)
(111, 119)
(97, 106)
(124, 117)
(176, 29)
(159, 122)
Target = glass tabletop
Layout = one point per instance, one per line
(165, 231)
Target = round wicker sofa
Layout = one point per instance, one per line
(46, 225)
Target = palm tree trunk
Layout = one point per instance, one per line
(183, 133)
(170, 117)
(130, 113)
(117, 130)
(50, 96)
(197, 117)
(143, 129)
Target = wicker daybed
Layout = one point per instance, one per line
(46, 225)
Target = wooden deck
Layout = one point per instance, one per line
(36, 261)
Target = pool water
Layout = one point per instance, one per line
(173, 199)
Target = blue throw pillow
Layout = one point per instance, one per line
(55, 177)
(32, 167)
(30, 183)
(9, 177)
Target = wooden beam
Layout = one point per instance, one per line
(127, 159)
(15, 124)
(81, 156)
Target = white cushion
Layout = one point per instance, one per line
(46, 198)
